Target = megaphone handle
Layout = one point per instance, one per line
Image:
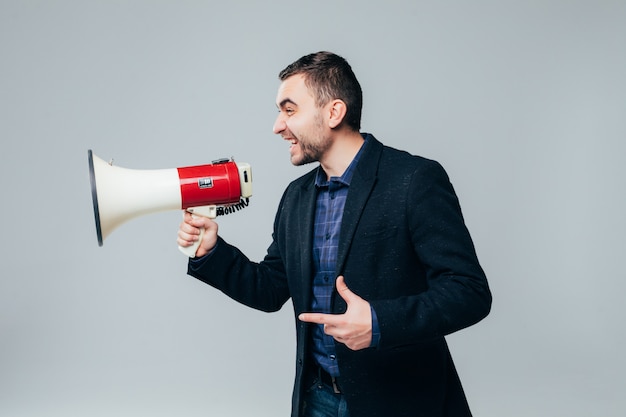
(190, 251)
(205, 211)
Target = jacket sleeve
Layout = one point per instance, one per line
(262, 286)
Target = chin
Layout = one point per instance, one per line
(300, 161)
(297, 162)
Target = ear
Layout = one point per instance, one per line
(337, 111)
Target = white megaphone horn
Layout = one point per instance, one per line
(120, 194)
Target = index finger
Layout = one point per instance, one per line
(319, 318)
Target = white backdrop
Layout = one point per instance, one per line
(523, 102)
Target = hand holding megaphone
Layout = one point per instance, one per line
(197, 235)
(120, 194)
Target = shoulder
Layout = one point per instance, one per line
(395, 162)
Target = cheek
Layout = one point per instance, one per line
(294, 126)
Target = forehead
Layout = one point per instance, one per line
(293, 90)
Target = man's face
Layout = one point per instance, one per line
(301, 122)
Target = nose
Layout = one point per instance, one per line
(279, 124)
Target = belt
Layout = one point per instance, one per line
(326, 378)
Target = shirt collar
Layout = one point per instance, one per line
(321, 178)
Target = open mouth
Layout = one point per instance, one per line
(292, 142)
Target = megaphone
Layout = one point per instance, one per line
(120, 194)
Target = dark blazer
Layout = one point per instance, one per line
(403, 247)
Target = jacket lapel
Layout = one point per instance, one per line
(361, 187)
(306, 218)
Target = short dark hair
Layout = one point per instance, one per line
(329, 77)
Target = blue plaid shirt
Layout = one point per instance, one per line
(331, 199)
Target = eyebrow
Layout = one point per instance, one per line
(285, 102)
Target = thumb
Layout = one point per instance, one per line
(343, 290)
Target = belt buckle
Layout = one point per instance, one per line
(335, 386)
(323, 377)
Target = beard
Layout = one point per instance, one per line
(313, 145)
(312, 151)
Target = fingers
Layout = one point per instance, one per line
(352, 328)
(334, 324)
(332, 319)
(331, 322)
(189, 232)
(339, 329)
(343, 290)
(195, 221)
(340, 284)
(318, 318)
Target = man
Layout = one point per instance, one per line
(372, 249)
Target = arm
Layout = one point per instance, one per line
(262, 286)
(457, 294)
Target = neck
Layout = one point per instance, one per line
(341, 153)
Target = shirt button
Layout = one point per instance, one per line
(327, 236)
(332, 357)
(325, 278)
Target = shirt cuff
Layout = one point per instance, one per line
(375, 329)
(196, 263)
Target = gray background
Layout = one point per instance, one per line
(522, 102)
